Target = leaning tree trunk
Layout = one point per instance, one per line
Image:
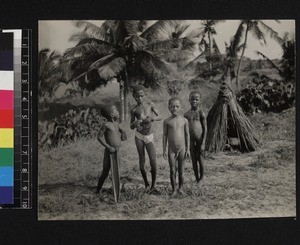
(240, 61)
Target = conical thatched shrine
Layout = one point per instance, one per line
(226, 121)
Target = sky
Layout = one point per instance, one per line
(55, 36)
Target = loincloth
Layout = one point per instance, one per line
(145, 138)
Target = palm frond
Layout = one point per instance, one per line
(240, 47)
(48, 63)
(177, 43)
(89, 66)
(119, 32)
(88, 50)
(112, 69)
(215, 22)
(271, 62)
(236, 40)
(54, 55)
(134, 26)
(90, 29)
(83, 38)
(269, 30)
(106, 59)
(180, 30)
(134, 43)
(151, 64)
(187, 44)
(257, 33)
(161, 30)
(196, 33)
(203, 54)
(42, 59)
(215, 47)
(103, 32)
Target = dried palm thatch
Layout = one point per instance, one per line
(226, 119)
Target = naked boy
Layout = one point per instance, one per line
(198, 131)
(176, 134)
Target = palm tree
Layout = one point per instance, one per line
(255, 27)
(207, 46)
(49, 73)
(128, 50)
(231, 54)
(207, 31)
(286, 68)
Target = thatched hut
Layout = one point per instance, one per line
(227, 123)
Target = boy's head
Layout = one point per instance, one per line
(194, 98)
(139, 93)
(175, 105)
(110, 112)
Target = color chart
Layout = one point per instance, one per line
(15, 119)
(6, 118)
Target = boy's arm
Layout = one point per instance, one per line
(102, 140)
(133, 122)
(165, 134)
(187, 138)
(156, 113)
(204, 127)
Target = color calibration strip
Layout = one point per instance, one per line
(20, 153)
(6, 119)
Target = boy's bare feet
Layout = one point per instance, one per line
(200, 180)
(154, 191)
(181, 192)
(173, 194)
(147, 188)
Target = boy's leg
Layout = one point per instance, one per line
(152, 158)
(200, 160)
(141, 151)
(180, 161)
(171, 158)
(194, 160)
(201, 166)
(105, 171)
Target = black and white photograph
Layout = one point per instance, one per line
(166, 119)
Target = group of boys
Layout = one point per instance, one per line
(183, 136)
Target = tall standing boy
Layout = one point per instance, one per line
(176, 134)
(143, 115)
(198, 131)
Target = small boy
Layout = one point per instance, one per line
(176, 133)
(110, 136)
(198, 131)
(142, 117)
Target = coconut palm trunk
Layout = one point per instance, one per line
(122, 113)
(241, 58)
(125, 105)
(210, 54)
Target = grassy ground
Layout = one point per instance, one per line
(257, 184)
